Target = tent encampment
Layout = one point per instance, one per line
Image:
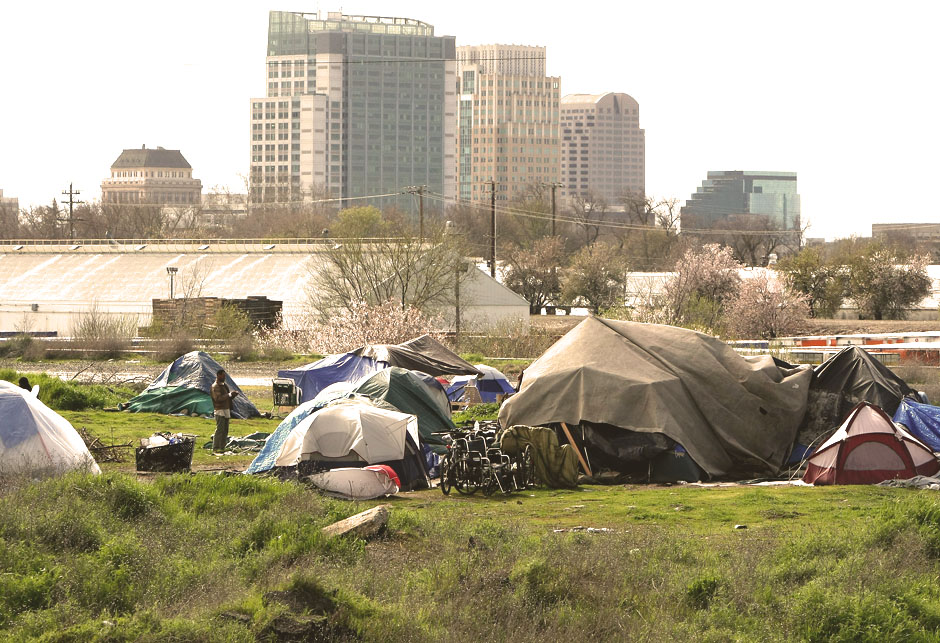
(332, 369)
(867, 449)
(35, 440)
(407, 392)
(921, 420)
(491, 384)
(734, 416)
(353, 433)
(185, 386)
(841, 382)
(424, 354)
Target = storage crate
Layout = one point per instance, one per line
(168, 458)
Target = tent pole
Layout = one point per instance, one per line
(584, 464)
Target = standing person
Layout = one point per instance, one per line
(222, 403)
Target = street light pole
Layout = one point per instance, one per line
(171, 270)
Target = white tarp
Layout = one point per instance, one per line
(374, 434)
(35, 440)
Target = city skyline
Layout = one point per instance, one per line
(839, 94)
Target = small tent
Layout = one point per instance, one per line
(491, 384)
(35, 440)
(332, 369)
(867, 449)
(353, 433)
(406, 391)
(841, 382)
(922, 420)
(185, 386)
(265, 460)
(424, 354)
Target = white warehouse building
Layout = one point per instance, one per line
(45, 286)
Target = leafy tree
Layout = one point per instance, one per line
(821, 281)
(765, 308)
(360, 222)
(884, 283)
(596, 277)
(534, 273)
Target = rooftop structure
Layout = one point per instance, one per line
(151, 176)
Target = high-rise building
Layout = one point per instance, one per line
(603, 149)
(355, 106)
(151, 176)
(753, 200)
(508, 121)
(9, 216)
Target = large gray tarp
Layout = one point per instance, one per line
(733, 415)
(424, 354)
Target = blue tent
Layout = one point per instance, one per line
(345, 367)
(923, 420)
(491, 384)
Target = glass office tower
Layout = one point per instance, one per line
(355, 106)
(725, 194)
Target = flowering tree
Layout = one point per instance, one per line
(884, 282)
(702, 283)
(765, 308)
(351, 327)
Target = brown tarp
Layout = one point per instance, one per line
(424, 354)
(733, 415)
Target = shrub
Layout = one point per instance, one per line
(105, 335)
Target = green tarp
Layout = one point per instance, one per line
(171, 399)
(555, 466)
(405, 391)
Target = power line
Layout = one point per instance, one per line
(534, 214)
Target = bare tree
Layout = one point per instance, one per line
(589, 213)
(404, 269)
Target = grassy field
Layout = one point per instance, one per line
(209, 557)
(217, 557)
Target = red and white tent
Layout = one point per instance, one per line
(867, 449)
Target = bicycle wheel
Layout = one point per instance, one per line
(447, 480)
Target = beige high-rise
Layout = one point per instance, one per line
(508, 121)
(603, 149)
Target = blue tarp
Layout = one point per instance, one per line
(923, 420)
(491, 384)
(345, 367)
(264, 461)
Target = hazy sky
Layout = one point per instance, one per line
(844, 93)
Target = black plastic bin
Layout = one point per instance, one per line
(168, 458)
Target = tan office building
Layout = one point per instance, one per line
(508, 121)
(148, 176)
(603, 149)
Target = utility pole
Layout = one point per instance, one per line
(72, 203)
(554, 186)
(492, 185)
(419, 190)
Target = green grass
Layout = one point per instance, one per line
(71, 396)
(232, 558)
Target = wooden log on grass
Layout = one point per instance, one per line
(362, 525)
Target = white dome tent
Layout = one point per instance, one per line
(35, 440)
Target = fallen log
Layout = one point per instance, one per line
(363, 525)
